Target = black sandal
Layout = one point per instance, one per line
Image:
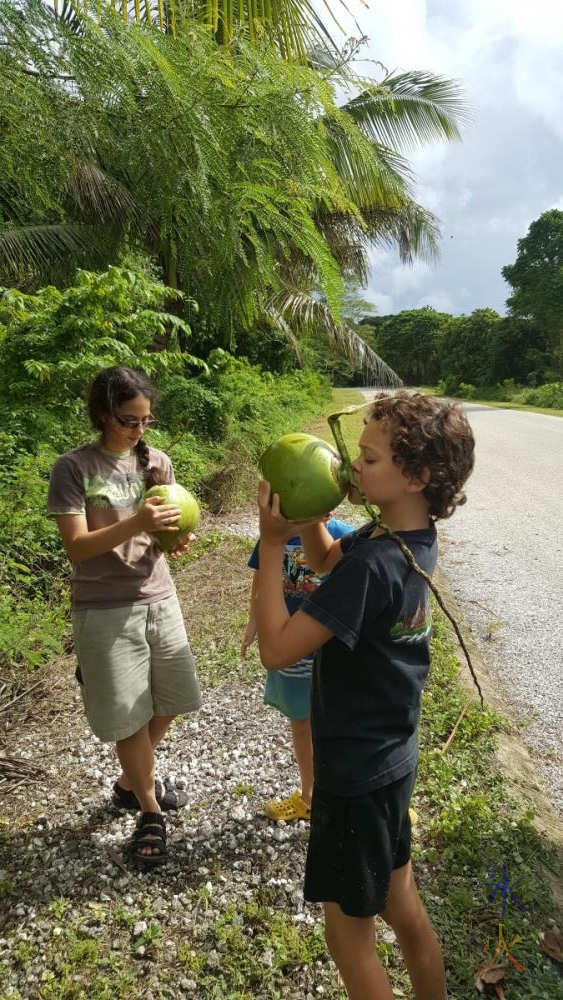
(167, 798)
(150, 832)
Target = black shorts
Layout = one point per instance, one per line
(355, 844)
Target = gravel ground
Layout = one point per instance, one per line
(66, 843)
(219, 844)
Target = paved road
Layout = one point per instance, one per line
(502, 555)
(503, 558)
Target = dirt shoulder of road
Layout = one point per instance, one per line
(514, 760)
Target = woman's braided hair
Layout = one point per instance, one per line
(431, 440)
(110, 389)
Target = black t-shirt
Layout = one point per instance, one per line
(368, 679)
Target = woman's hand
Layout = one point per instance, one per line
(156, 515)
(181, 545)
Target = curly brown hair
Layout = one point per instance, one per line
(432, 439)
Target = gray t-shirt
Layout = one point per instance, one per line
(107, 488)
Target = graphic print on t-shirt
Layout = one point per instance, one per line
(118, 490)
(298, 578)
(415, 623)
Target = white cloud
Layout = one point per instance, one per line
(487, 190)
(383, 303)
(440, 301)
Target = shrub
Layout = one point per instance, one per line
(33, 564)
(53, 343)
(188, 404)
(466, 390)
(448, 385)
(507, 390)
(549, 396)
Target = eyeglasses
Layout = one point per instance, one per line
(132, 424)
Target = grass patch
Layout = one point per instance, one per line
(470, 825)
(256, 949)
(352, 425)
(500, 405)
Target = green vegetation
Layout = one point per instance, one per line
(498, 356)
(232, 174)
(469, 823)
(536, 279)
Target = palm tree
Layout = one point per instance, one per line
(294, 26)
(236, 169)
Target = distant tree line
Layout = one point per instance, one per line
(485, 349)
(425, 346)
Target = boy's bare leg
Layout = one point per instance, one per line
(303, 750)
(416, 937)
(351, 942)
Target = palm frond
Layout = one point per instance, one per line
(299, 309)
(38, 249)
(408, 110)
(411, 228)
(98, 196)
(294, 26)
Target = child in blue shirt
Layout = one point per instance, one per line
(289, 690)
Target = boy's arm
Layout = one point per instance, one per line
(283, 639)
(252, 623)
(322, 552)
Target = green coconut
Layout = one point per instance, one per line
(175, 494)
(307, 473)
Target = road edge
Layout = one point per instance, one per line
(513, 756)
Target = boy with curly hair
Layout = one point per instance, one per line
(370, 623)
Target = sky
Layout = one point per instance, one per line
(486, 190)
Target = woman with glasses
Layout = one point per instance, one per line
(135, 667)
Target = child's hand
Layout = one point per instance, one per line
(274, 527)
(248, 637)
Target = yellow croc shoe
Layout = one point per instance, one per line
(413, 815)
(288, 809)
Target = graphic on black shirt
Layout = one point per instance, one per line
(413, 627)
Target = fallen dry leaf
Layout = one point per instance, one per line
(492, 977)
(552, 944)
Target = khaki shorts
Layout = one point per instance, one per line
(134, 663)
